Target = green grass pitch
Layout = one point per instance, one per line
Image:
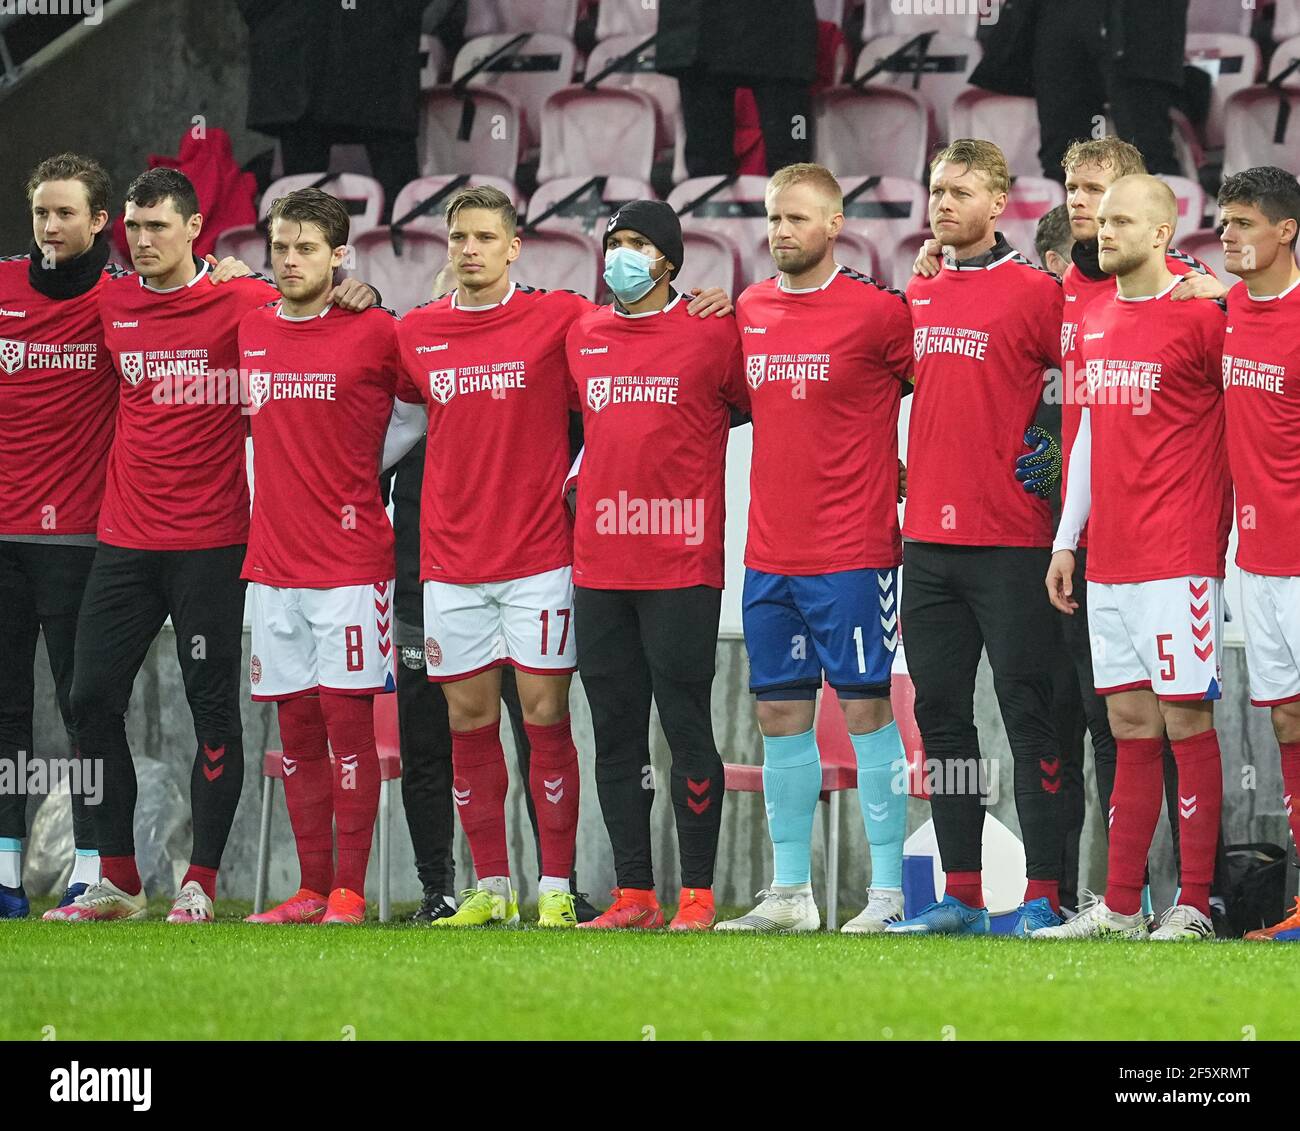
(153, 981)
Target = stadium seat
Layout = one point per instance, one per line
(937, 70)
(626, 17)
(597, 199)
(875, 132)
(247, 242)
(489, 17)
(362, 196)
(1232, 62)
(436, 190)
(639, 73)
(390, 770)
(883, 208)
(1029, 199)
(1260, 132)
(854, 250)
(1286, 19)
(608, 131)
(712, 260)
(1215, 16)
(1206, 247)
(1191, 205)
(735, 209)
(403, 271)
(530, 71)
(1286, 62)
(561, 261)
(1008, 120)
(833, 11)
(479, 130)
(904, 255)
(433, 61)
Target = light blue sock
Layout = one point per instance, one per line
(792, 782)
(884, 807)
(1146, 899)
(11, 862)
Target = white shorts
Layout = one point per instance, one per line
(1272, 637)
(1164, 636)
(526, 622)
(307, 640)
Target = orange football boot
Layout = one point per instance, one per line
(633, 908)
(695, 911)
(304, 906)
(1286, 931)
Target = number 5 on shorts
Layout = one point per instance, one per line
(1162, 642)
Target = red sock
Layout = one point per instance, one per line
(307, 790)
(1134, 812)
(1291, 786)
(350, 720)
(554, 782)
(479, 791)
(1200, 803)
(206, 877)
(121, 871)
(966, 886)
(1044, 889)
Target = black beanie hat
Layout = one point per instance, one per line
(657, 222)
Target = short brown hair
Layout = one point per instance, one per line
(976, 153)
(1108, 152)
(74, 167)
(805, 172)
(488, 198)
(312, 206)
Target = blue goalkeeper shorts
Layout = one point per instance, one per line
(842, 624)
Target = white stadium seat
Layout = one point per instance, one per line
(560, 261)
(433, 61)
(362, 196)
(1227, 16)
(1260, 132)
(877, 131)
(530, 71)
(883, 208)
(626, 17)
(904, 255)
(937, 70)
(1206, 247)
(736, 211)
(711, 260)
(586, 132)
(478, 130)
(1286, 61)
(639, 73)
(489, 17)
(1008, 120)
(1191, 206)
(1029, 199)
(1232, 62)
(589, 211)
(404, 272)
(438, 189)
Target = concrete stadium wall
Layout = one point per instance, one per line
(162, 738)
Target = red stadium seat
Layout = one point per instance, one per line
(556, 261)
(481, 130)
(639, 73)
(1029, 199)
(609, 131)
(1008, 120)
(1191, 206)
(1259, 132)
(530, 71)
(489, 17)
(736, 211)
(712, 260)
(883, 208)
(390, 770)
(938, 70)
(1232, 62)
(875, 132)
(362, 196)
(1215, 16)
(587, 212)
(403, 272)
(626, 17)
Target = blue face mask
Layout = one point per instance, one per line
(627, 274)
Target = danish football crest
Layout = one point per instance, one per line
(432, 652)
(918, 342)
(598, 392)
(442, 384)
(132, 366)
(1067, 337)
(755, 368)
(259, 387)
(12, 354)
(1227, 370)
(255, 671)
(1094, 372)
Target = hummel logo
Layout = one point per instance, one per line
(1186, 806)
(920, 302)
(1071, 298)
(755, 329)
(1286, 801)
(289, 764)
(1110, 820)
(17, 314)
(586, 351)
(554, 790)
(1094, 337)
(431, 349)
(254, 353)
(125, 325)
(878, 812)
(460, 796)
(1226, 330)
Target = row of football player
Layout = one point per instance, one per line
(974, 535)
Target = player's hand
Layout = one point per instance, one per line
(228, 268)
(714, 301)
(1196, 285)
(929, 260)
(1060, 582)
(353, 295)
(1039, 471)
(902, 481)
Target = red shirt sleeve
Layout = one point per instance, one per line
(735, 391)
(896, 344)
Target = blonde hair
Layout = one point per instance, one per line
(1108, 152)
(806, 173)
(976, 153)
(488, 198)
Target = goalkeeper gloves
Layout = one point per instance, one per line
(1039, 471)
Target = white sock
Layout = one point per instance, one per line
(550, 883)
(11, 867)
(85, 867)
(792, 889)
(497, 885)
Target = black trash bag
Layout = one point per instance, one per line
(1250, 882)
